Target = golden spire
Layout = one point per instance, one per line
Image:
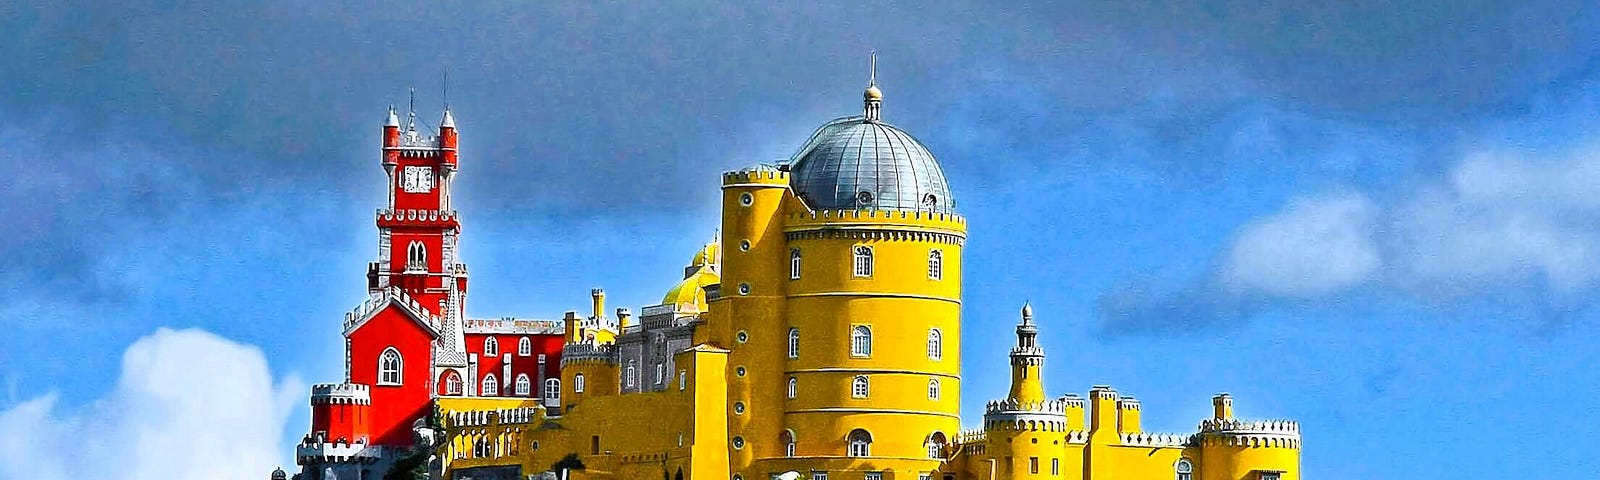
(872, 99)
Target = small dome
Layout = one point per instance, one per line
(1027, 310)
(708, 255)
(872, 93)
(690, 294)
(858, 163)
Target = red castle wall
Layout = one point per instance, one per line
(394, 408)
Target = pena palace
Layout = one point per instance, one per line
(816, 337)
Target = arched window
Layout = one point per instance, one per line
(491, 347)
(452, 383)
(552, 390)
(933, 389)
(1184, 469)
(523, 386)
(794, 387)
(935, 344)
(389, 365)
(794, 264)
(787, 440)
(861, 341)
(935, 265)
(416, 257)
(794, 343)
(863, 261)
(491, 386)
(577, 383)
(524, 347)
(858, 387)
(936, 445)
(631, 375)
(860, 443)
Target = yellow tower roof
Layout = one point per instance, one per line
(690, 294)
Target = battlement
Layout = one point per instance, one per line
(501, 416)
(1250, 433)
(412, 216)
(1072, 400)
(1103, 392)
(378, 300)
(757, 174)
(317, 450)
(1128, 403)
(917, 218)
(341, 394)
(1057, 406)
(512, 326)
(588, 353)
(1156, 439)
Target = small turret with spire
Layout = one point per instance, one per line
(872, 98)
(1027, 362)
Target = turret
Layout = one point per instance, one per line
(1128, 415)
(447, 139)
(1222, 406)
(1103, 414)
(1027, 362)
(391, 130)
(624, 318)
(597, 297)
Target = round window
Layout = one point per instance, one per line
(744, 245)
(746, 199)
(738, 442)
(864, 198)
(738, 407)
(744, 289)
(743, 337)
(739, 371)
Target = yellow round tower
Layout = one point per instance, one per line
(871, 327)
(1232, 449)
(1026, 432)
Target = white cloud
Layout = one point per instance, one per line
(1493, 221)
(188, 405)
(1313, 247)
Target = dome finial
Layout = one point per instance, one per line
(872, 98)
(1027, 313)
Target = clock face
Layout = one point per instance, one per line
(417, 179)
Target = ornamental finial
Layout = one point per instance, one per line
(873, 97)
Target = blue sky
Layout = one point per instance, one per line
(1378, 218)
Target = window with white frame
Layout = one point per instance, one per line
(933, 389)
(858, 387)
(416, 257)
(683, 379)
(491, 347)
(935, 344)
(1184, 469)
(552, 390)
(794, 342)
(861, 341)
(577, 383)
(874, 476)
(1055, 466)
(523, 385)
(794, 387)
(860, 443)
(935, 265)
(1271, 475)
(452, 383)
(787, 439)
(661, 373)
(863, 261)
(389, 367)
(631, 376)
(491, 386)
(819, 475)
(794, 264)
(935, 445)
(525, 347)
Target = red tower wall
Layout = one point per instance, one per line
(394, 407)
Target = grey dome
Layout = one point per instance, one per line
(855, 163)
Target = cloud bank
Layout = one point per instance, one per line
(1520, 229)
(188, 405)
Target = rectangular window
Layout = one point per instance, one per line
(819, 475)
(925, 476)
(874, 476)
(1010, 466)
(594, 445)
(1271, 475)
(794, 264)
(1033, 465)
(1055, 466)
(863, 261)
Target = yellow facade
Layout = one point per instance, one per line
(822, 339)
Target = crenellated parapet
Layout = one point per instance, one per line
(501, 416)
(341, 394)
(378, 300)
(418, 217)
(891, 225)
(760, 174)
(1250, 433)
(316, 449)
(588, 353)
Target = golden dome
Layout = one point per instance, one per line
(872, 93)
(708, 255)
(690, 294)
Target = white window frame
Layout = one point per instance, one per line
(935, 264)
(935, 344)
(632, 374)
(787, 439)
(794, 342)
(933, 389)
(1183, 469)
(661, 373)
(398, 369)
(794, 387)
(552, 390)
(858, 443)
(936, 443)
(874, 476)
(794, 264)
(860, 387)
(525, 347)
(577, 383)
(861, 256)
(683, 379)
(452, 383)
(861, 341)
(491, 347)
(416, 256)
(819, 475)
(490, 386)
(523, 385)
